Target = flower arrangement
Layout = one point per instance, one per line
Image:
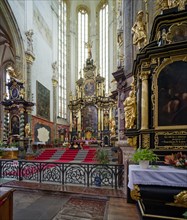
(177, 160)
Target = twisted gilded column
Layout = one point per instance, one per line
(144, 100)
(22, 123)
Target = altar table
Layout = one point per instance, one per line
(161, 175)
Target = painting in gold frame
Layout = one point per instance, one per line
(43, 101)
(171, 94)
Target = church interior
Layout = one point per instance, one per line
(88, 90)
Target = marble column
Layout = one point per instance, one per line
(144, 100)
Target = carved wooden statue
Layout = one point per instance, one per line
(139, 31)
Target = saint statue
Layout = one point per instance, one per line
(88, 45)
(130, 110)
(139, 31)
(29, 35)
(27, 130)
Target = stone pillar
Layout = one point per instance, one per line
(128, 53)
(144, 100)
(29, 59)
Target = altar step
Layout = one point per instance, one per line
(68, 155)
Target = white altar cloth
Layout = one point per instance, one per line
(161, 175)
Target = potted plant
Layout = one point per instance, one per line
(144, 156)
(102, 157)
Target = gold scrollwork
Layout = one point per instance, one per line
(177, 32)
(144, 75)
(135, 193)
(132, 141)
(180, 200)
(146, 140)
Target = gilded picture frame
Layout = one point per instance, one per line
(170, 94)
(42, 101)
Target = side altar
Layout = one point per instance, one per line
(17, 118)
(92, 112)
(155, 114)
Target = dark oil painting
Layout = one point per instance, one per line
(172, 94)
(89, 114)
(43, 101)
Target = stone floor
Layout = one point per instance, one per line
(34, 201)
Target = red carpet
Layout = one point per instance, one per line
(90, 156)
(68, 156)
(46, 154)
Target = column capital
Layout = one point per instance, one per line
(144, 75)
(54, 82)
(29, 57)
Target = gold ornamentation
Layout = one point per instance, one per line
(27, 130)
(161, 5)
(22, 93)
(146, 140)
(132, 141)
(181, 199)
(144, 75)
(135, 193)
(139, 31)
(177, 32)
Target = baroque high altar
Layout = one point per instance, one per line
(92, 112)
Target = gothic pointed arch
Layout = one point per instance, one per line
(11, 49)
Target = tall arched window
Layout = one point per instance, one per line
(103, 42)
(82, 38)
(62, 56)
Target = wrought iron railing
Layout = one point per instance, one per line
(110, 175)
